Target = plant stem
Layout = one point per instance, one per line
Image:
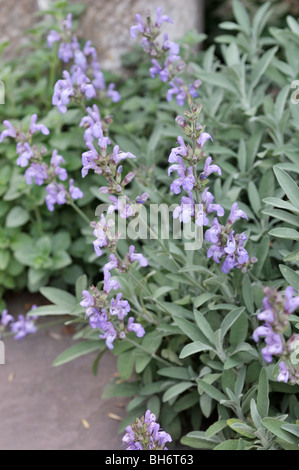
(79, 211)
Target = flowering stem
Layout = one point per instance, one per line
(154, 356)
(78, 210)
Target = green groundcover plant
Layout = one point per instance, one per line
(199, 308)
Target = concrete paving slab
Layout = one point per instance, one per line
(42, 407)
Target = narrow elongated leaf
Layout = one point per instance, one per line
(211, 390)
(78, 350)
(176, 390)
(194, 348)
(229, 320)
(291, 276)
(288, 185)
(275, 426)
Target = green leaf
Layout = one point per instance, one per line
(232, 444)
(254, 197)
(230, 320)
(292, 428)
(284, 232)
(4, 259)
(189, 329)
(261, 66)
(274, 201)
(180, 373)
(242, 16)
(242, 428)
(81, 285)
(239, 330)
(198, 440)
(58, 297)
(17, 217)
(247, 294)
(216, 428)
(176, 390)
(49, 310)
(125, 364)
(194, 348)
(261, 254)
(275, 426)
(211, 390)
(121, 390)
(291, 276)
(204, 326)
(76, 351)
(288, 185)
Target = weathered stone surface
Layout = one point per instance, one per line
(44, 408)
(106, 23)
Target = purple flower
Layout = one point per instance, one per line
(178, 89)
(209, 169)
(291, 304)
(208, 199)
(113, 263)
(274, 346)
(53, 37)
(92, 124)
(56, 194)
(236, 214)
(185, 211)
(284, 373)
(137, 257)
(229, 263)
(138, 28)
(37, 173)
(37, 127)
(9, 132)
(89, 159)
(75, 192)
(63, 91)
(120, 204)
(193, 88)
(109, 283)
(267, 315)
(186, 178)
(119, 307)
(23, 327)
(6, 318)
(178, 151)
(65, 52)
(118, 156)
(109, 335)
(216, 252)
(142, 199)
(100, 232)
(204, 137)
(56, 162)
(135, 328)
(26, 153)
(99, 80)
(146, 434)
(113, 94)
(88, 300)
(212, 235)
(162, 18)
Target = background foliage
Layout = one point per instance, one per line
(197, 368)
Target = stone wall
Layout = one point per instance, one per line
(106, 22)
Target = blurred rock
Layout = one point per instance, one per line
(107, 24)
